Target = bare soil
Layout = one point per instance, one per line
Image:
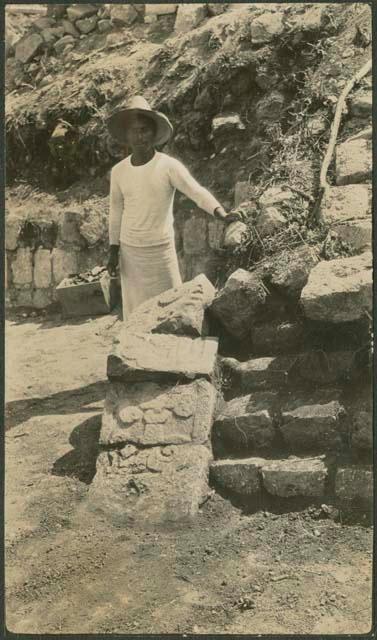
(69, 570)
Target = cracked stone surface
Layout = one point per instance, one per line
(151, 486)
(354, 483)
(181, 311)
(339, 290)
(155, 414)
(157, 358)
(304, 477)
(312, 422)
(239, 476)
(238, 302)
(248, 421)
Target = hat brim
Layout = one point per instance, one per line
(119, 121)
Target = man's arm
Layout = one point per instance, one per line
(182, 180)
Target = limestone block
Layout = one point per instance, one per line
(312, 422)
(62, 43)
(354, 483)
(180, 311)
(123, 14)
(86, 25)
(153, 357)
(12, 230)
(351, 202)
(69, 227)
(288, 271)
(52, 34)
(356, 233)
(311, 20)
(353, 161)
(266, 27)
(42, 298)
(70, 29)
(43, 23)
(64, 263)
(305, 477)
(317, 368)
(222, 124)
(42, 268)
(189, 16)
(235, 234)
(238, 303)
(158, 414)
(339, 290)
(160, 9)
(215, 233)
(22, 267)
(104, 26)
(81, 11)
(195, 235)
(23, 298)
(270, 221)
(152, 486)
(28, 47)
(276, 337)
(94, 226)
(274, 196)
(239, 476)
(361, 104)
(248, 421)
(260, 373)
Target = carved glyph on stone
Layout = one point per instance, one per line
(151, 486)
(156, 414)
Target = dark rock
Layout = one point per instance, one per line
(247, 422)
(274, 338)
(312, 422)
(288, 272)
(81, 11)
(354, 483)
(28, 47)
(87, 24)
(304, 477)
(239, 476)
(239, 302)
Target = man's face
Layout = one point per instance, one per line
(141, 134)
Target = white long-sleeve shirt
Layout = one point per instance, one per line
(141, 199)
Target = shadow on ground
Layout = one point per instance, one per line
(63, 402)
(80, 463)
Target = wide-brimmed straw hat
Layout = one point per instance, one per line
(119, 120)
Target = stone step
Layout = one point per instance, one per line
(294, 422)
(297, 371)
(310, 478)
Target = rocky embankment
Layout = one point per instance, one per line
(251, 91)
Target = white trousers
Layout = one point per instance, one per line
(146, 272)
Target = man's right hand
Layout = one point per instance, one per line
(112, 263)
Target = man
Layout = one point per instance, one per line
(142, 191)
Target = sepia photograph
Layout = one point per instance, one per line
(188, 313)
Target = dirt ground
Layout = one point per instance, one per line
(69, 570)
